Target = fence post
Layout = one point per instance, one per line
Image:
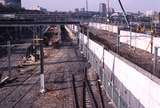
(112, 85)
(9, 58)
(155, 60)
(82, 41)
(103, 65)
(119, 101)
(118, 43)
(130, 37)
(87, 52)
(78, 35)
(151, 43)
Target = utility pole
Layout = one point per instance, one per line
(42, 80)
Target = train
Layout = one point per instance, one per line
(52, 36)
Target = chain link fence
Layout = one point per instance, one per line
(103, 74)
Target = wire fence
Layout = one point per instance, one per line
(13, 58)
(106, 77)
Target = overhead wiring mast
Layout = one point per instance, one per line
(124, 13)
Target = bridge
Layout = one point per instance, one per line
(34, 23)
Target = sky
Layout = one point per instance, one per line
(66, 5)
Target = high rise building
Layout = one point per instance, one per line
(39, 8)
(102, 8)
(82, 9)
(2, 2)
(11, 3)
(76, 10)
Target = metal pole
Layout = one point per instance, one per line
(60, 36)
(82, 40)
(118, 43)
(42, 86)
(155, 60)
(78, 36)
(9, 58)
(151, 43)
(119, 101)
(34, 36)
(103, 65)
(87, 53)
(130, 36)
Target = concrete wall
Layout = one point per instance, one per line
(136, 84)
(108, 27)
(139, 40)
(135, 87)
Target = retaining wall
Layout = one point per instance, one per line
(108, 27)
(139, 40)
(127, 84)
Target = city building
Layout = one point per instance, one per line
(102, 9)
(11, 3)
(2, 2)
(82, 10)
(76, 10)
(150, 13)
(39, 8)
(156, 18)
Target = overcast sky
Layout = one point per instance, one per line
(65, 5)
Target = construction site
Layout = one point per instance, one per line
(78, 59)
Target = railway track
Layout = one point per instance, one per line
(20, 83)
(16, 58)
(27, 79)
(89, 99)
